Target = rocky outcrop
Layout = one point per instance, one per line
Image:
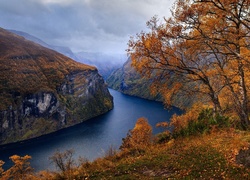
(42, 91)
(82, 96)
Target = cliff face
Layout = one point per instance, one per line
(128, 81)
(42, 91)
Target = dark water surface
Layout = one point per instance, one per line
(91, 138)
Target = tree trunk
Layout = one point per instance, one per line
(243, 98)
(217, 106)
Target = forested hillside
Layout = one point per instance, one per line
(129, 81)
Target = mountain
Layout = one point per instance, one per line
(61, 49)
(128, 81)
(42, 91)
(105, 63)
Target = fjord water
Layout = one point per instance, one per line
(91, 138)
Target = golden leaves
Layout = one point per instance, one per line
(139, 137)
(1, 167)
(205, 44)
(20, 170)
(179, 122)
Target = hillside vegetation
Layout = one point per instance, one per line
(215, 151)
(204, 45)
(42, 91)
(128, 81)
(99, 60)
(29, 68)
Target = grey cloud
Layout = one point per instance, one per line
(92, 25)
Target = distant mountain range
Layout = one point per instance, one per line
(106, 63)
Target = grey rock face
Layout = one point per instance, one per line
(83, 95)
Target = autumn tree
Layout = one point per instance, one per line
(225, 27)
(1, 168)
(139, 137)
(64, 162)
(205, 47)
(21, 170)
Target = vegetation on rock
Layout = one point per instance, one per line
(42, 91)
(128, 81)
(28, 68)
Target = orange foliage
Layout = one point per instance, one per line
(205, 48)
(27, 67)
(1, 168)
(179, 122)
(20, 170)
(139, 137)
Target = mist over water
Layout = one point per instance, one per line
(91, 138)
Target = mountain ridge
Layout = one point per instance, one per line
(105, 62)
(42, 91)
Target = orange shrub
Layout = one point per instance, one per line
(139, 137)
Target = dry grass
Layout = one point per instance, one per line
(209, 156)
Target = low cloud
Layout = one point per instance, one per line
(82, 25)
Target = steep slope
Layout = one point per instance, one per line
(61, 49)
(42, 91)
(128, 81)
(106, 63)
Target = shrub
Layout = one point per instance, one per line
(208, 118)
(163, 137)
(1, 168)
(203, 122)
(112, 151)
(64, 162)
(139, 137)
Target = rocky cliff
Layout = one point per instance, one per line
(128, 81)
(42, 91)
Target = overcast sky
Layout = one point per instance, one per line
(82, 25)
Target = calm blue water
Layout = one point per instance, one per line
(91, 138)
